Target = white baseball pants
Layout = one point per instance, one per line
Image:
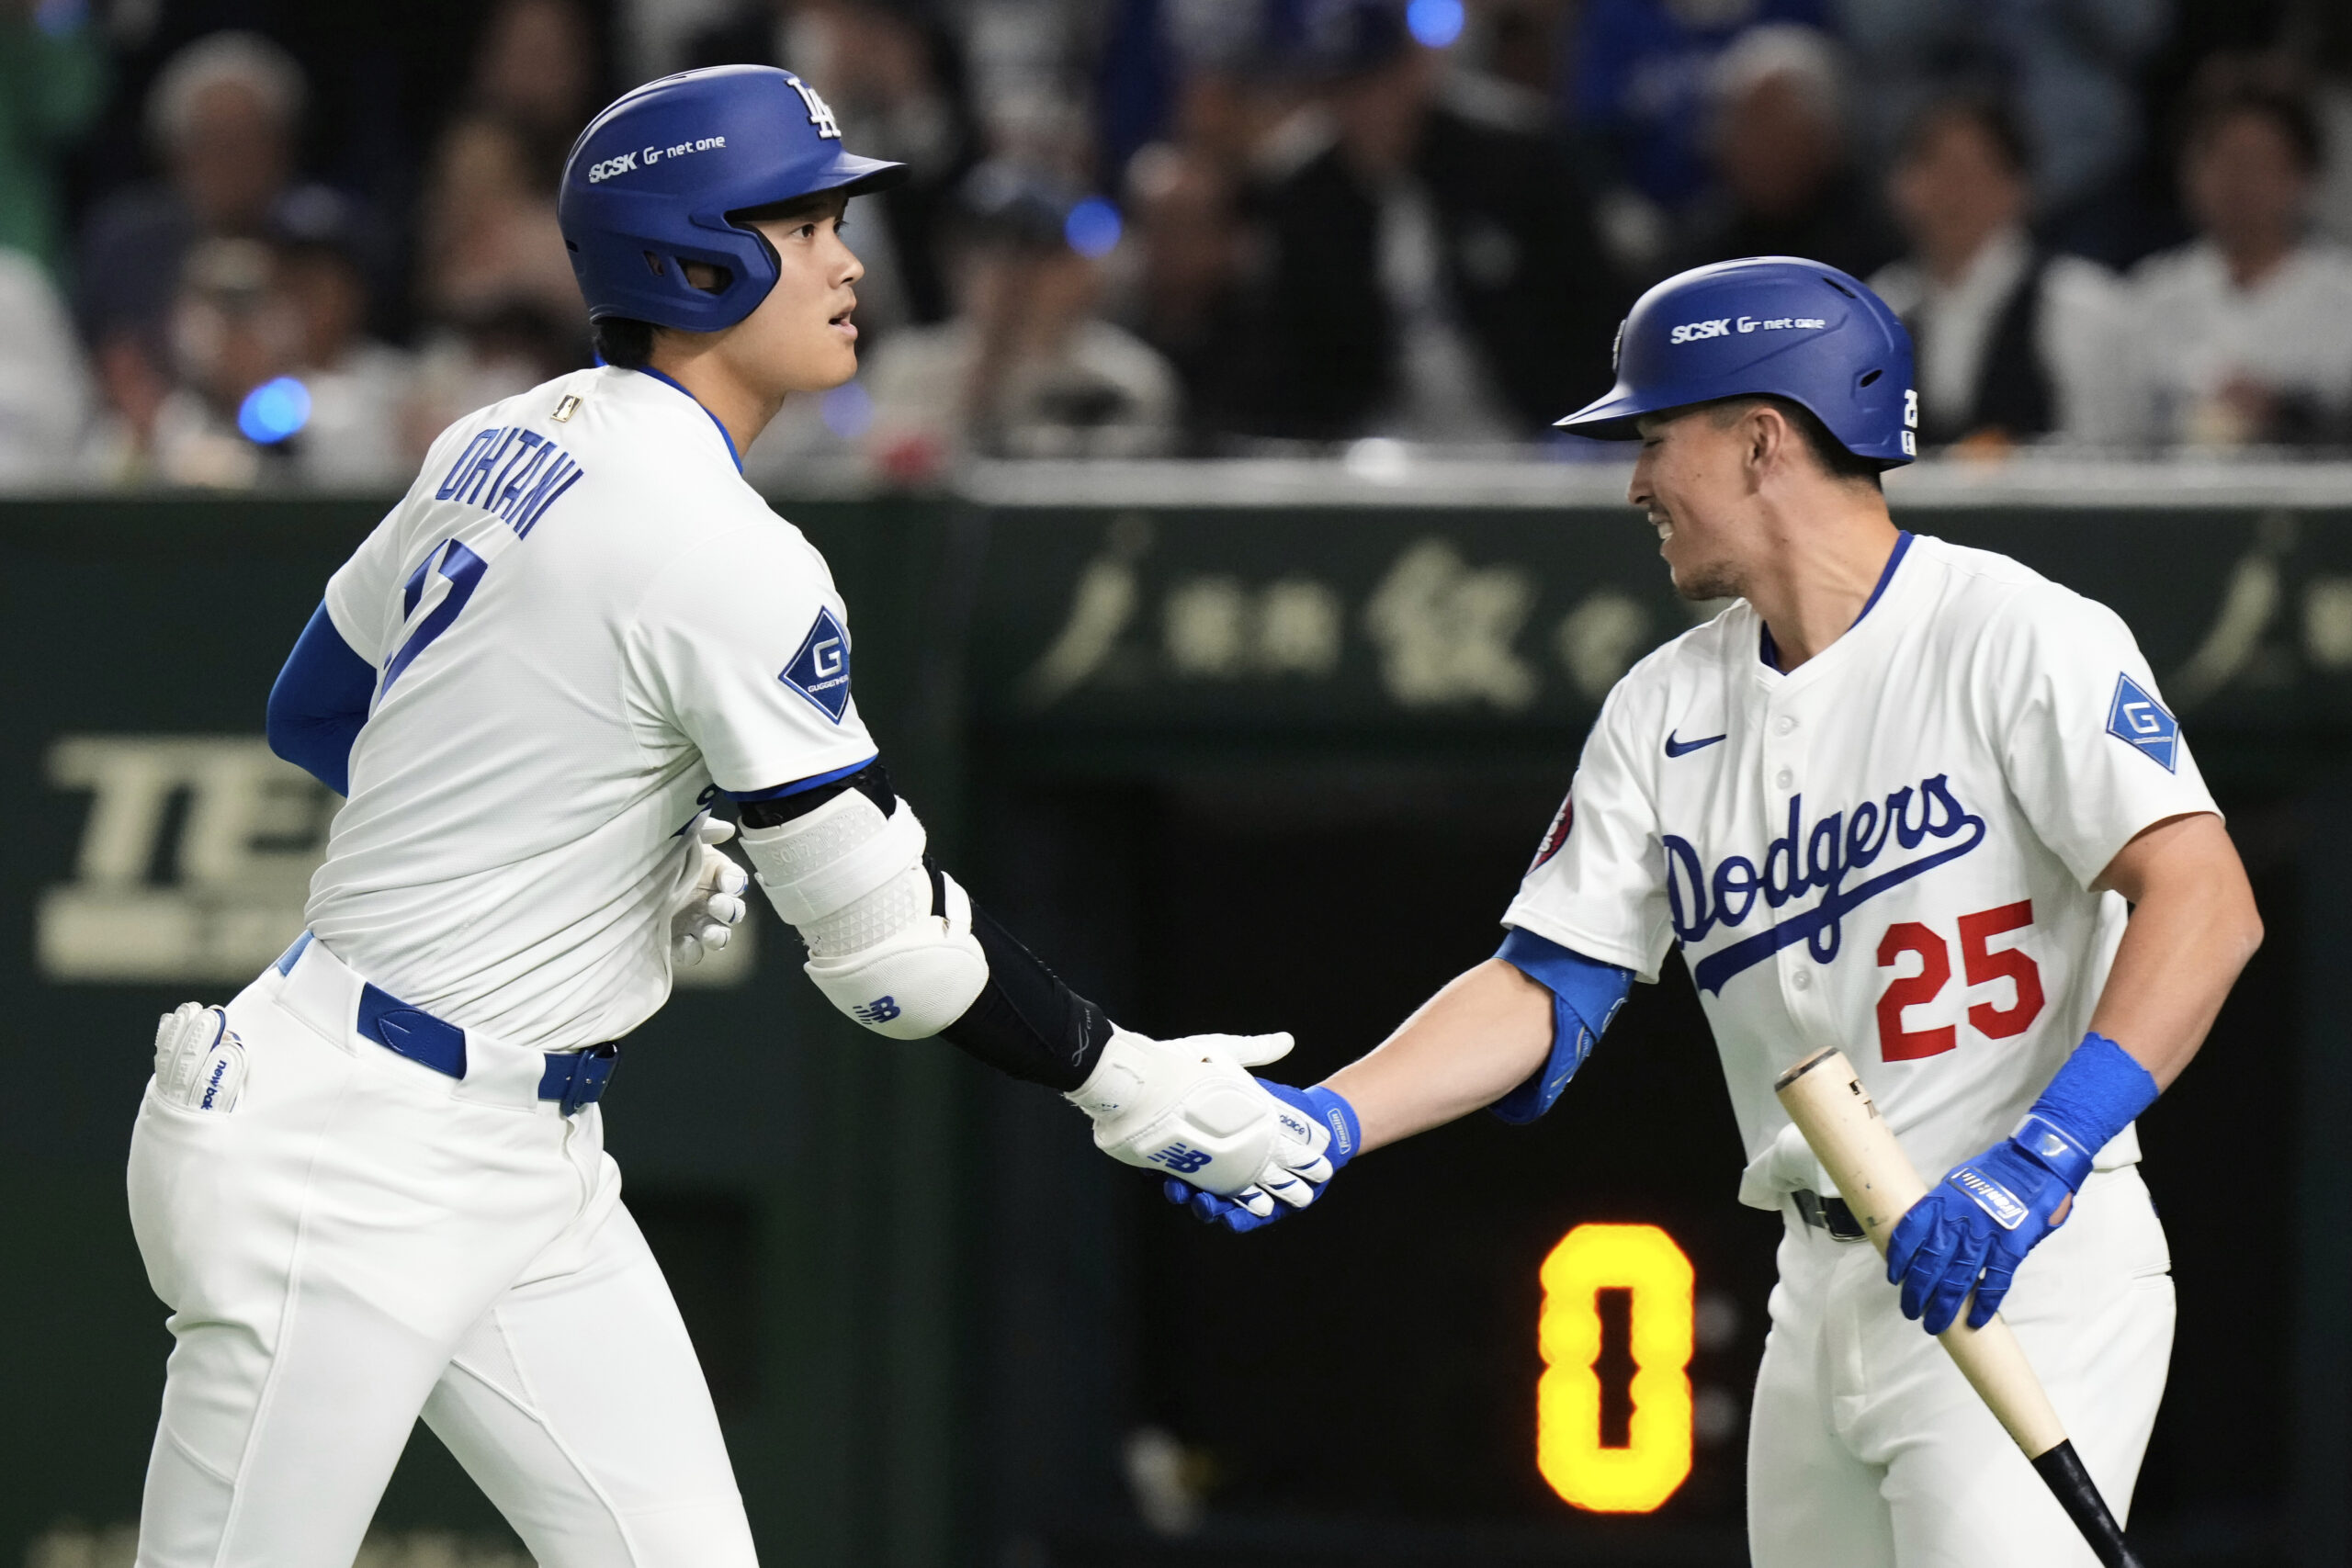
(363, 1240)
(1867, 1448)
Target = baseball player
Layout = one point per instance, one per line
(1902, 798)
(373, 1185)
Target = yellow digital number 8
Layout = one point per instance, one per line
(1645, 1261)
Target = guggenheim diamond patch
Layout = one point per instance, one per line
(820, 671)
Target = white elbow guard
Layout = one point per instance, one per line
(851, 881)
(916, 982)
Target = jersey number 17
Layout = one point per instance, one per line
(463, 569)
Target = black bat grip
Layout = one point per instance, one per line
(2062, 1470)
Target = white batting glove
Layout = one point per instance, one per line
(1190, 1108)
(703, 913)
(199, 1061)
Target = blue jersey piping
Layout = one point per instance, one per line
(1772, 654)
(731, 452)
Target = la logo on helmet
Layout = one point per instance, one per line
(819, 114)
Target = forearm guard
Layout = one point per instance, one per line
(899, 947)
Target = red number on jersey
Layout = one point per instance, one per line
(1981, 965)
(1897, 1044)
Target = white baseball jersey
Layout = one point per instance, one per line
(582, 620)
(1888, 849)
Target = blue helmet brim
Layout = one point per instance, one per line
(854, 175)
(1611, 417)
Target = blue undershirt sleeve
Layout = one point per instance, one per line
(1586, 995)
(320, 702)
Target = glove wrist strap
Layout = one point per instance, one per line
(1339, 1118)
(2094, 1097)
(2054, 1149)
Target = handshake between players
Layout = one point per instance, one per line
(1187, 1106)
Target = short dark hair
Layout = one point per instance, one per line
(1829, 452)
(2232, 87)
(1988, 113)
(623, 341)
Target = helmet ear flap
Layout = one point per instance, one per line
(679, 272)
(767, 246)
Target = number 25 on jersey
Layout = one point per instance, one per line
(1980, 965)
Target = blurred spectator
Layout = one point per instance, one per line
(2325, 39)
(1233, 96)
(1136, 72)
(893, 76)
(1434, 273)
(1521, 41)
(536, 70)
(1192, 256)
(494, 281)
(1026, 368)
(2005, 331)
(358, 388)
(231, 330)
(44, 393)
(1786, 185)
(2070, 66)
(489, 237)
(1638, 97)
(222, 115)
(52, 84)
(2244, 335)
(1032, 64)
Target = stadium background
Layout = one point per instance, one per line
(942, 1330)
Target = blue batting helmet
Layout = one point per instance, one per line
(1782, 325)
(655, 179)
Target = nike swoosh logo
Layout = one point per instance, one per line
(1684, 748)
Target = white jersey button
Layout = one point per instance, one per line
(1785, 723)
(1783, 779)
(1802, 979)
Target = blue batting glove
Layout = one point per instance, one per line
(1972, 1232)
(1320, 1104)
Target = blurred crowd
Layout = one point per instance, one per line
(253, 244)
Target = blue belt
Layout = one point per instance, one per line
(573, 1079)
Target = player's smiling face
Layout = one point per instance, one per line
(1692, 481)
(802, 337)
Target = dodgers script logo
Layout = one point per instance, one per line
(1805, 859)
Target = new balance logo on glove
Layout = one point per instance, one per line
(881, 1010)
(1181, 1160)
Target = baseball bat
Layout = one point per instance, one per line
(1826, 1100)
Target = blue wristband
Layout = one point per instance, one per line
(2094, 1097)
